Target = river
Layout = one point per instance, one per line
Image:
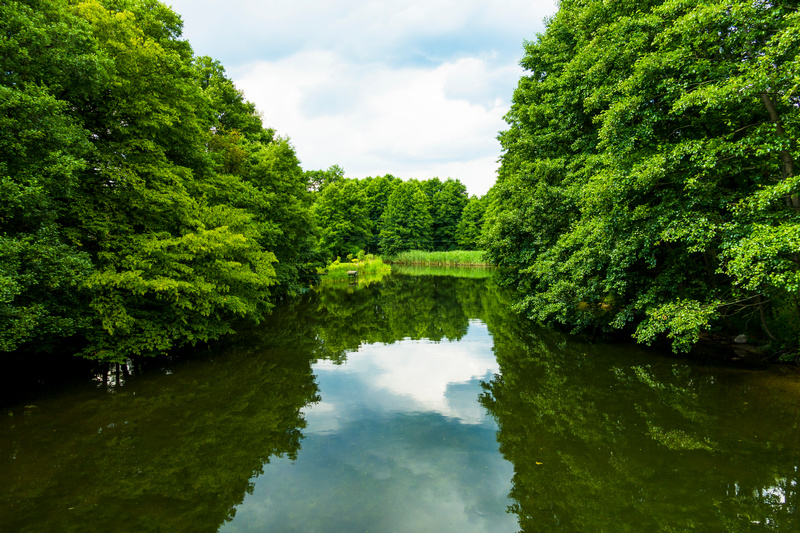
(417, 402)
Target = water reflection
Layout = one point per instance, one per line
(357, 408)
(613, 439)
(398, 443)
(166, 453)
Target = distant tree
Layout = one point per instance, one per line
(319, 179)
(431, 187)
(342, 215)
(448, 203)
(470, 226)
(378, 190)
(406, 222)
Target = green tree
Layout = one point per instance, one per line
(44, 56)
(647, 175)
(406, 221)
(378, 190)
(289, 229)
(231, 112)
(171, 268)
(319, 179)
(448, 203)
(147, 206)
(342, 215)
(470, 227)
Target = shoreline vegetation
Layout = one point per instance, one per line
(151, 209)
(471, 258)
(364, 265)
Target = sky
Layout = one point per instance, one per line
(412, 88)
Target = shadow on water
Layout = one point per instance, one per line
(601, 437)
(173, 451)
(612, 438)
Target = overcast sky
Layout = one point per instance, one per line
(413, 88)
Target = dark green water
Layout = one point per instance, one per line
(415, 403)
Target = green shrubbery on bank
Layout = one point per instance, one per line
(453, 271)
(362, 265)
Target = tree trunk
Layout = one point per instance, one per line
(786, 156)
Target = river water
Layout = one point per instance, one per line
(417, 402)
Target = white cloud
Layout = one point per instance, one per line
(410, 376)
(415, 88)
(371, 119)
(238, 31)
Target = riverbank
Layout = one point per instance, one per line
(450, 258)
(369, 265)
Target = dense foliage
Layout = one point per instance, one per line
(145, 206)
(647, 179)
(387, 215)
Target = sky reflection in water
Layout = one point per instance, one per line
(399, 442)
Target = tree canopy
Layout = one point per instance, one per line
(147, 207)
(385, 214)
(647, 178)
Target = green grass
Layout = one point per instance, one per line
(369, 267)
(455, 257)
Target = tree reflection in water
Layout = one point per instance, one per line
(601, 438)
(609, 438)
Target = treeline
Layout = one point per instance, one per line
(387, 215)
(648, 177)
(144, 204)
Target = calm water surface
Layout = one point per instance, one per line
(413, 403)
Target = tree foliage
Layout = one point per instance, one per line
(394, 220)
(470, 227)
(406, 221)
(343, 216)
(648, 175)
(147, 205)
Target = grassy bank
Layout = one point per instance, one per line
(367, 267)
(452, 258)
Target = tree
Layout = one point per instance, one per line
(319, 179)
(171, 268)
(147, 206)
(470, 227)
(42, 150)
(230, 111)
(647, 176)
(448, 203)
(406, 222)
(343, 217)
(288, 225)
(378, 190)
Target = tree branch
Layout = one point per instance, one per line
(786, 156)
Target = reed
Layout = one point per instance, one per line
(454, 257)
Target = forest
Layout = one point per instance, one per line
(648, 181)
(147, 207)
